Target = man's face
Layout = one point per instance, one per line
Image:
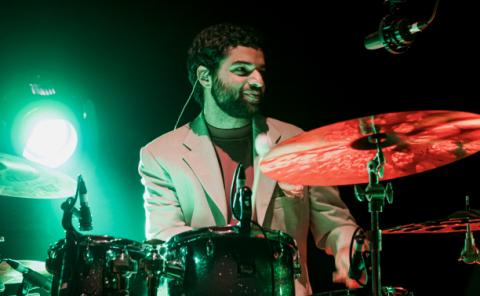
(238, 88)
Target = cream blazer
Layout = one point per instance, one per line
(184, 190)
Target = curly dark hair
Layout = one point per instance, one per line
(212, 44)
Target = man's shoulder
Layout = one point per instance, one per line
(283, 126)
(169, 139)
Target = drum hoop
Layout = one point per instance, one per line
(107, 240)
(191, 236)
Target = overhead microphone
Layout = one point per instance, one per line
(396, 34)
(85, 218)
(31, 276)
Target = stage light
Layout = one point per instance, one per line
(45, 132)
(51, 142)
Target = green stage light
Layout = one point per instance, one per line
(45, 132)
(51, 142)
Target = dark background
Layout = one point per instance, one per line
(124, 64)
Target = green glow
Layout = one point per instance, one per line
(45, 131)
(51, 142)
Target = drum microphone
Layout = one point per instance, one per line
(357, 264)
(244, 197)
(85, 218)
(31, 276)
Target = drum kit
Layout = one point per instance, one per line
(218, 260)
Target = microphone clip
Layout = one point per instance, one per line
(357, 260)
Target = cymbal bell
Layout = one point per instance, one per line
(8, 275)
(456, 222)
(21, 178)
(338, 154)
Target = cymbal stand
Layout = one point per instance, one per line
(2, 285)
(24, 288)
(375, 193)
(70, 254)
(470, 253)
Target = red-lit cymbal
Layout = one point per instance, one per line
(455, 223)
(338, 154)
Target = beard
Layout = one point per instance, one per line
(231, 100)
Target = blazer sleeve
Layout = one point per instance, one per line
(164, 216)
(331, 222)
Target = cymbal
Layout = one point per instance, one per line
(22, 178)
(457, 222)
(338, 154)
(8, 275)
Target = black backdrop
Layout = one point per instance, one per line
(126, 59)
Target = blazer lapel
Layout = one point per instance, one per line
(202, 159)
(263, 186)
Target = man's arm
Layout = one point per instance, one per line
(164, 216)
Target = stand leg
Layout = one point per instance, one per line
(375, 249)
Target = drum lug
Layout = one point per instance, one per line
(297, 267)
(87, 256)
(210, 248)
(278, 253)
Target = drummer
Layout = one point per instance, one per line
(188, 172)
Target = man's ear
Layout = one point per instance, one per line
(204, 77)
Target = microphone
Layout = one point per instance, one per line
(30, 275)
(357, 263)
(241, 178)
(244, 197)
(395, 34)
(85, 218)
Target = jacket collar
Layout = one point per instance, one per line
(202, 159)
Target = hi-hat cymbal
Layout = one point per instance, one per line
(8, 275)
(457, 222)
(338, 154)
(22, 178)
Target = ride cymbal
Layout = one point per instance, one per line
(22, 178)
(338, 154)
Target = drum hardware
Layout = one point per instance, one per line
(357, 261)
(2, 285)
(470, 253)
(375, 193)
(28, 275)
(65, 285)
(241, 204)
(155, 264)
(391, 145)
(152, 265)
(386, 291)
(104, 266)
(122, 267)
